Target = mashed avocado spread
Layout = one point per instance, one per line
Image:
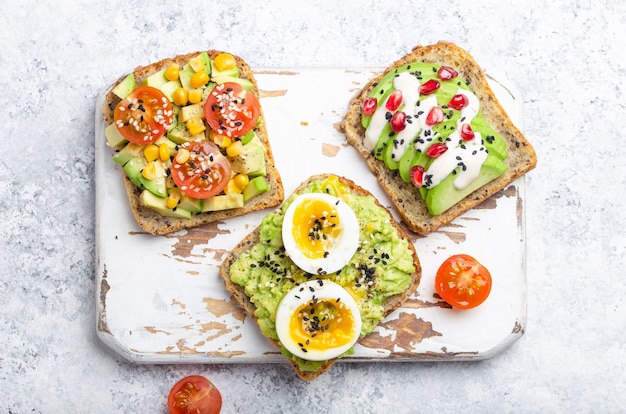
(381, 267)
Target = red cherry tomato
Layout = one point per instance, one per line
(205, 173)
(463, 282)
(231, 110)
(194, 395)
(144, 115)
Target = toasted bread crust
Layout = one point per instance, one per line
(240, 296)
(404, 196)
(156, 224)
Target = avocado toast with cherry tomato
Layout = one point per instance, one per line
(190, 138)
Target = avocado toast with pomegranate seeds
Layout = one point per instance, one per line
(432, 131)
(190, 138)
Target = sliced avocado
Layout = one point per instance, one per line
(381, 98)
(194, 205)
(179, 134)
(445, 195)
(223, 202)
(234, 71)
(133, 168)
(386, 136)
(158, 185)
(251, 161)
(124, 88)
(163, 140)
(113, 136)
(207, 62)
(191, 111)
(149, 200)
(248, 137)
(405, 163)
(388, 158)
(494, 143)
(129, 151)
(207, 89)
(169, 87)
(245, 83)
(421, 159)
(156, 80)
(255, 187)
(184, 75)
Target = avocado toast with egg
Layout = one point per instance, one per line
(191, 141)
(330, 243)
(435, 136)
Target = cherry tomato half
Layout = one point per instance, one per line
(144, 115)
(204, 173)
(231, 110)
(463, 282)
(194, 395)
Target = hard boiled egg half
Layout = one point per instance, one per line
(320, 233)
(318, 320)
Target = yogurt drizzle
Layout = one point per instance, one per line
(468, 155)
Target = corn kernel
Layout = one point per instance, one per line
(180, 96)
(232, 187)
(234, 149)
(164, 152)
(149, 171)
(224, 61)
(195, 95)
(195, 126)
(218, 139)
(196, 63)
(151, 152)
(171, 73)
(182, 156)
(173, 198)
(199, 79)
(241, 180)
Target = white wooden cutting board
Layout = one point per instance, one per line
(160, 299)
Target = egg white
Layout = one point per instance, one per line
(343, 247)
(315, 290)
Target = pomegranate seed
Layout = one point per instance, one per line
(417, 175)
(458, 101)
(429, 87)
(369, 106)
(436, 149)
(394, 100)
(447, 73)
(435, 116)
(398, 121)
(466, 132)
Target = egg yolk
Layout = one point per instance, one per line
(316, 225)
(322, 324)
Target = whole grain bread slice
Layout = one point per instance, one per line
(157, 224)
(238, 292)
(405, 196)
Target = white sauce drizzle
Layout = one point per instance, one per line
(409, 85)
(472, 154)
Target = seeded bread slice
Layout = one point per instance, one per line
(405, 196)
(238, 292)
(157, 224)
